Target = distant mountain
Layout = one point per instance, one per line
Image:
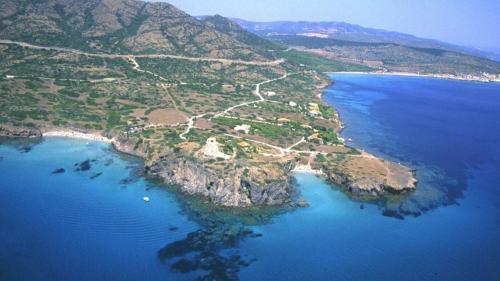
(375, 48)
(349, 32)
(125, 26)
(231, 28)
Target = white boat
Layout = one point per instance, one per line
(146, 199)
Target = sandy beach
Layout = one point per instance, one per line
(77, 135)
(306, 169)
(440, 76)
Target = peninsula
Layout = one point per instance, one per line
(213, 109)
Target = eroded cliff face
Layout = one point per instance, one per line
(128, 145)
(235, 187)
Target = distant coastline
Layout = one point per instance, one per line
(438, 76)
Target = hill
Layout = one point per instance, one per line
(117, 26)
(395, 57)
(231, 28)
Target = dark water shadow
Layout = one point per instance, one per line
(211, 252)
(23, 145)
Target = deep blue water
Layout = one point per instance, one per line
(451, 132)
(68, 226)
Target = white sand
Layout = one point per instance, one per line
(440, 76)
(77, 135)
(307, 170)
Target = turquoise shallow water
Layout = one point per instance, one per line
(68, 226)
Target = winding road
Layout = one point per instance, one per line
(129, 56)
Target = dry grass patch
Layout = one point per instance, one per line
(168, 116)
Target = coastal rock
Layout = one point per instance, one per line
(129, 145)
(367, 175)
(232, 188)
(19, 132)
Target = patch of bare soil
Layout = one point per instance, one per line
(168, 116)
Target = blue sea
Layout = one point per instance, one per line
(90, 222)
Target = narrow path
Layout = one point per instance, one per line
(170, 96)
(159, 56)
(280, 149)
(297, 143)
(190, 125)
(107, 79)
(256, 92)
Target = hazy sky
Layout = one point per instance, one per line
(465, 22)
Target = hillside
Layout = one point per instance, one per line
(395, 57)
(117, 26)
(228, 26)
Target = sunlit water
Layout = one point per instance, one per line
(68, 226)
(79, 225)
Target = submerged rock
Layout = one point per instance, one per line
(206, 250)
(302, 203)
(25, 148)
(393, 214)
(59, 171)
(96, 175)
(128, 180)
(84, 166)
(108, 162)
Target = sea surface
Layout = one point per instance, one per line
(90, 222)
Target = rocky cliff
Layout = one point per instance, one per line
(231, 189)
(19, 132)
(367, 175)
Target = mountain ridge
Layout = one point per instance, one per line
(118, 26)
(354, 32)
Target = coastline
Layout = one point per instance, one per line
(437, 76)
(175, 169)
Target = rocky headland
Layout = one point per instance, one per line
(359, 174)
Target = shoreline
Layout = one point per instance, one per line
(306, 169)
(412, 74)
(77, 135)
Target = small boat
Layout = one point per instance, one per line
(146, 199)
